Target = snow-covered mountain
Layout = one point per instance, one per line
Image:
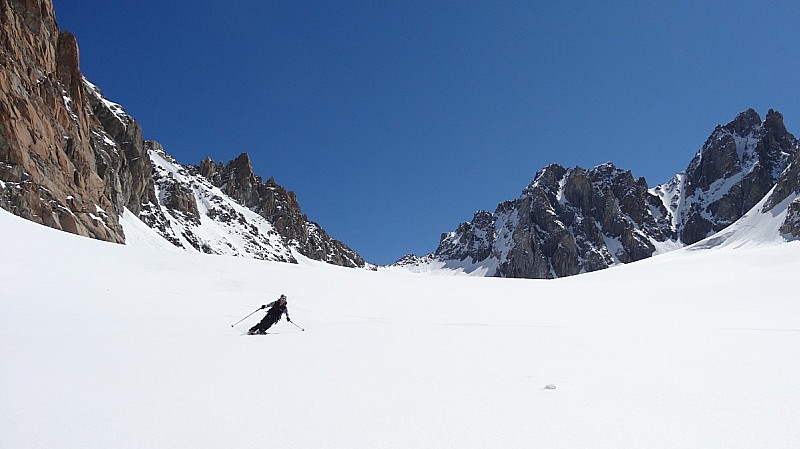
(566, 222)
(73, 160)
(201, 210)
(218, 208)
(571, 221)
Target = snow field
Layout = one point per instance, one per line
(105, 345)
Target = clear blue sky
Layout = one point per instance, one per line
(395, 121)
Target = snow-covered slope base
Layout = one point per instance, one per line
(132, 347)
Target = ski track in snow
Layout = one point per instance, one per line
(117, 346)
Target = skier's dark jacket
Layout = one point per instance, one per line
(276, 309)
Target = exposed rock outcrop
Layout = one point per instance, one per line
(788, 186)
(122, 158)
(791, 225)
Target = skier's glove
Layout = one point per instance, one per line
(264, 306)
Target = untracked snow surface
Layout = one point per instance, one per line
(109, 346)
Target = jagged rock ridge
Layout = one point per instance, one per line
(280, 207)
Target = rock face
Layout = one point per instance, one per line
(66, 159)
(122, 159)
(47, 164)
(791, 226)
(787, 187)
(280, 207)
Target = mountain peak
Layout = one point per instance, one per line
(242, 161)
(548, 177)
(774, 115)
(745, 122)
(773, 124)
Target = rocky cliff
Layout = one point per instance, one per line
(59, 165)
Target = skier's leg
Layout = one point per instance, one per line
(267, 323)
(261, 327)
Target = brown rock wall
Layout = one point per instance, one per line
(48, 163)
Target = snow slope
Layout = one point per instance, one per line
(117, 346)
(757, 228)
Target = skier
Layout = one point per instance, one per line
(276, 309)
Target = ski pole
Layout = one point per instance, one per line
(297, 326)
(248, 316)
